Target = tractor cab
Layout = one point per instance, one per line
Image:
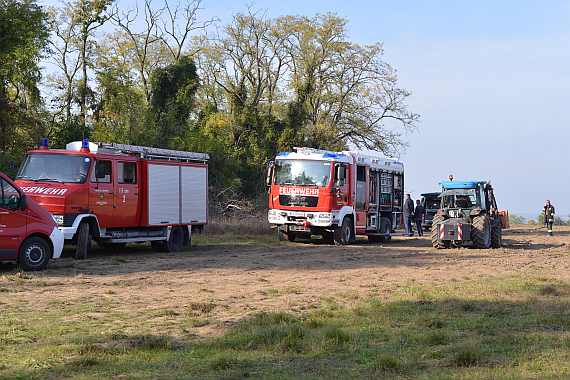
(460, 199)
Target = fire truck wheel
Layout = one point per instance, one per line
(496, 237)
(34, 254)
(373, 239)
(386, 228)
(174, 243)
(435, 241)
(481, 232)
(343, 233)
(287, 236)
(83, 241)
(157, 246)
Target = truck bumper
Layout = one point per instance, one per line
(312, 218)
(454, 229)
(57, 242)
(68, 232)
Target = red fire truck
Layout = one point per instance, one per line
(336, 195)
(118, 193)
(28, 232)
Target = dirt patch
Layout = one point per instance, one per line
(214, 286)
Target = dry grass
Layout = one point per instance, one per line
(237, 226)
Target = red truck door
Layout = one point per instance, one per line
(101, 194)
(12, 220)
(127, 194)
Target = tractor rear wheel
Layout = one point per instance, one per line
(481, 232)
(435, 240)
(496, 237)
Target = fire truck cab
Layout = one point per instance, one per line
(118, 193)
(336, 195)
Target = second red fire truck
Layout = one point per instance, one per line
(336, 195)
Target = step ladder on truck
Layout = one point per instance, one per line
(336, 195)
(119, 193)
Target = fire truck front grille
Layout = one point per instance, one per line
(298, 200)
(65, 220)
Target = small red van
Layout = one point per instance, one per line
(28, 232)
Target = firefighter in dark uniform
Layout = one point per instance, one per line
(548, 211)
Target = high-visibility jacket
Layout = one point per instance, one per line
(548, 214)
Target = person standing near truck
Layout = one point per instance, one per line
(548, 211)
(408, 214)
(418, 215)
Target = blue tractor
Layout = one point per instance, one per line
(467, 216)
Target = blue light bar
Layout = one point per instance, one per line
(85, 144)
(45, 142)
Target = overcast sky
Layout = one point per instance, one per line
(490, 80)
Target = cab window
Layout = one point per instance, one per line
(126, 172)
(107, 178)
(9, 197)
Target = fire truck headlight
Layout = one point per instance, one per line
(58, 219)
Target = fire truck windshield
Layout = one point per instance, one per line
(64, 168)
(302, 173)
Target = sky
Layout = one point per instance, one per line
(489, 79)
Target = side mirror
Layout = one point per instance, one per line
(341, 174)
(24, 202)
(269, 172)
(100, 171)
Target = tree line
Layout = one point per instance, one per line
(558, 221)
(159, 75)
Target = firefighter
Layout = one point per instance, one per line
(548, 211)
(409, 215)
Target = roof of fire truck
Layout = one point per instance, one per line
(303, 153)
(87, 147)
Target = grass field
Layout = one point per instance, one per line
(483, 327)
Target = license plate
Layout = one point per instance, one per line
(296, 213)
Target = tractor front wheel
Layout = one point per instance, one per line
(496, 237)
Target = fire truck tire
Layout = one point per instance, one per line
(287, 236)
(174, 242)
(343, 233)
(157, 245)
(83, 241)
(373, 239)
(496, 237)
(386, 228)
(481, 232)
(34, 254)
(435, 241)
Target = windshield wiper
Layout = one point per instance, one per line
(48, 180)
(23, 176)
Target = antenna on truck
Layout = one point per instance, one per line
(155, 153)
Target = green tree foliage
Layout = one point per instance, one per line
(541, 218)
(24, 32)
(515, 219)
(173, 89)
(256, 87)
(297, 81)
